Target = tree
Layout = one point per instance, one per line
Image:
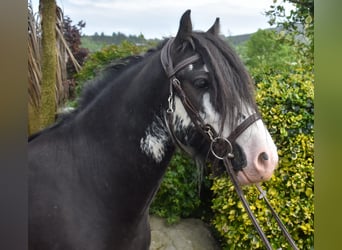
(47, 53)
(72, 35)
(49, 62)
(299, 22)
(34, 73)
(265, 53)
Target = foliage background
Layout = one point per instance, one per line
(96, 61)
(178, 196)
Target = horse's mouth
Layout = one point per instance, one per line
(249, 177)
(246, 170)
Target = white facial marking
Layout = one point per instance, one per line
(181, 118)
(210, 116)
(155, 140)
(257, 140)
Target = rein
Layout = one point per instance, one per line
(217, 143)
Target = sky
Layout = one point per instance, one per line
(160, 18)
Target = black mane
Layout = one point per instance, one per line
(93, 87)
(109, 73)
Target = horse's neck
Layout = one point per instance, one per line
(126, 122)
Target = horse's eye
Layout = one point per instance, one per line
(242, 116)
(201, 83)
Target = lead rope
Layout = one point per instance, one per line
(226, 158)
(275, 215)
(241, 195)
(239, 191)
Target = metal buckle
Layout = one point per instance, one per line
(228, 148)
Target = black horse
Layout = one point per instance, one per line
(93, 174)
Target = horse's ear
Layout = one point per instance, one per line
(215, 29)
(185, 28)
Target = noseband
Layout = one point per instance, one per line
(220, 147)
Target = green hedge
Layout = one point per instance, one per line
(97, 60)
(286, 102)
(178, 194)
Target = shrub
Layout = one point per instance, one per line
(98, 60)
(286, 102)
(178, 194)
(267, 51)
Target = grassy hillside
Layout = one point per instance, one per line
(237, 40)
(96, 42)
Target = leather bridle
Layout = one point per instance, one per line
(220, 147)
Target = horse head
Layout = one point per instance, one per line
(211, 94)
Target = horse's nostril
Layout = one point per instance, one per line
(264, 156)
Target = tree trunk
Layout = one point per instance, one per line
(49, 63)
(33, 119)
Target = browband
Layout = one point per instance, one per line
(167, 63)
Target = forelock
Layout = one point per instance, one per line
(232, 84)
